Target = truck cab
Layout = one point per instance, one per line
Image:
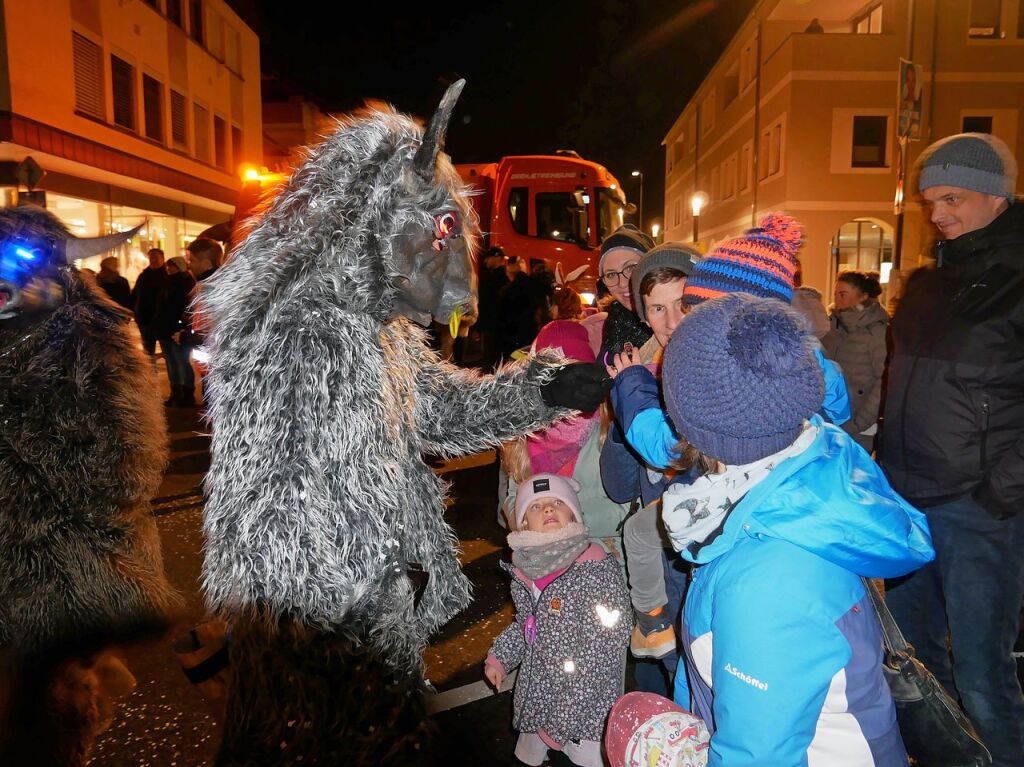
(553, 207)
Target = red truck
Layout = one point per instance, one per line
(555, 207)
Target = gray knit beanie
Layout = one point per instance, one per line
(671, 255)
(740, 377)
(976, 161)
(626, 236)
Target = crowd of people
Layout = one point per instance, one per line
(162, 302)
(760, 457)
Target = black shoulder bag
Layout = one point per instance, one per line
(934, 729)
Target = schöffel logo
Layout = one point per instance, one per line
(746, 677)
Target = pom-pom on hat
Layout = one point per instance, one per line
(976, 161)
(569, 336)
(644, 729)
(740, 376)
(671, 255)
(626, 236)
(547, 486)
(762, 262)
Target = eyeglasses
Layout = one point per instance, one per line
(612, 278)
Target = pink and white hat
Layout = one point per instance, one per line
(545, 486)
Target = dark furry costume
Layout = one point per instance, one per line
(321, 510)
(83, 445)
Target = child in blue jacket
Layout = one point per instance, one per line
(783, 648)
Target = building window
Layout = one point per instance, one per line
(731, 84)
(220, 142)
(123, 85)
(236, 145)
(201, 120)
(707, 114)
(729, 177)
(232, 48)
(977, 124)
(174, 14)
(518, 205)
(713, 194)
(869, 139)
(153, 107)
(772, 143)
(862, 245)
(985, 18)
(179, 122)
(195, 16)
(215, 35)
(746, 165)
(88, 76)
(748, 64)
(869, 22)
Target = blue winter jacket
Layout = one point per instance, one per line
(783, 646)
(636, 399)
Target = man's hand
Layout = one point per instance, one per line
(580, 386)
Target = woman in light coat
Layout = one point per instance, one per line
(857, 342)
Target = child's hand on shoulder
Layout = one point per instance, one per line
(494, 675)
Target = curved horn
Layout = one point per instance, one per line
(433, 138)
(83, 247)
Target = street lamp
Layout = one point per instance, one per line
(640, 208)
(655, 228)
(697, 203)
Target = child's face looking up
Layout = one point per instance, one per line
(546, 514)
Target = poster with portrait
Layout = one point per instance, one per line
(910, 100)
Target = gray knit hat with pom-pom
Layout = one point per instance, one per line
(740, 377)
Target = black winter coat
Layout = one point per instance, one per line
(172, 304)
(954, 413)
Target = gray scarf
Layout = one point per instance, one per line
(540, 554)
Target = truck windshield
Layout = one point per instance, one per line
(611, 213)
(554, 215)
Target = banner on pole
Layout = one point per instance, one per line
(909, 101)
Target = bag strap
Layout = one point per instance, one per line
(895, 643)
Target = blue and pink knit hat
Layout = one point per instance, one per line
(761, 262)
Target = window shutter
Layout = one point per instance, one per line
(179, 122)
(88, 76)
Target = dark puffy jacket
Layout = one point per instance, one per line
(857, 341)
(172, 304)
(954, 413)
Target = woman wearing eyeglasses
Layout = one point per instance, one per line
(620, 252)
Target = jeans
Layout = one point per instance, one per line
(972, 592)
(179, 365)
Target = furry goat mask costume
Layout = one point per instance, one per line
(322, 518)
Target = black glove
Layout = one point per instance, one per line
(579, 386)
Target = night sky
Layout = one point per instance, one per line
(604, 77)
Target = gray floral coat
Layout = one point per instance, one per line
(574, 670)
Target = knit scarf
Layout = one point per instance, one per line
(555, 450)
(695, 513)
(538, 554)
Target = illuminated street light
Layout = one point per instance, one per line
(697, 203)
(655, 228)
(640, 208)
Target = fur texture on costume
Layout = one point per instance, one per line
(83, 445)
(323, 402)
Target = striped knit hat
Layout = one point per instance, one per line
(762, 262)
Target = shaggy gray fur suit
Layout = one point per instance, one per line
(324, 398)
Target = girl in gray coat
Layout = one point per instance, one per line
(573, 621)
(857, 341)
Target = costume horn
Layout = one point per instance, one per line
(433, 139)
(83, 247)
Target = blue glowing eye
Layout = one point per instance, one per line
(28, 255)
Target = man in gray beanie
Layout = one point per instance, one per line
(953, 436)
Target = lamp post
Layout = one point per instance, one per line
(640, 208)
(697, 203)
(655, 229)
